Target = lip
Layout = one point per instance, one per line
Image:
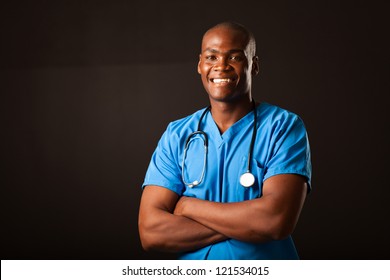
(222, 80)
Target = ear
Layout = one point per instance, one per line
(200, 58)
(255, 66)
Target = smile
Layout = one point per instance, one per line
(221, 81)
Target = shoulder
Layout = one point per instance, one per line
(185, 124)
(278, 119)
(272, 112)
(177, 131)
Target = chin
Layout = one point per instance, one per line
(226, 99)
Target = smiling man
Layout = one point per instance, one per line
(230, 180)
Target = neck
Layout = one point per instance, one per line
(226, 114)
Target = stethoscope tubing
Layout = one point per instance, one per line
(253, 139)
(248, 172)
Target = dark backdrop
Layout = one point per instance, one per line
(88, 87)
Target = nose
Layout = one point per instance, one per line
(222, 64)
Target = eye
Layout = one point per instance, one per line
(211, 57)
(235, 58)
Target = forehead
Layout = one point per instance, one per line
(224, 39)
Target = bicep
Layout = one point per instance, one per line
(156, 206)
(157, 198)
(285, 195)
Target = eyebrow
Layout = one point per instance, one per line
(217, 51)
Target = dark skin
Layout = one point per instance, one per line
(171, 223)
(226, 66)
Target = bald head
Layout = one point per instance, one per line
(239, 28)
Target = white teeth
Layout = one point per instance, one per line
(217, 81)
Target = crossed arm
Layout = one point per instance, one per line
(173, 224)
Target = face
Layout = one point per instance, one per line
(226, 65)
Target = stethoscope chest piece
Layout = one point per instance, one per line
(247, 179)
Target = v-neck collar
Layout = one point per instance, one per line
(213, 129)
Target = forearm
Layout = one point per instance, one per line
(271, 217)
(170, 233)
(242, 220)
(161, 230)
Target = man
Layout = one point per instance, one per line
(193, 202)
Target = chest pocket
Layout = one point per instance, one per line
(252, 192)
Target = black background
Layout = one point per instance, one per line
(88, 87)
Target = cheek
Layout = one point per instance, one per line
(245, 74)
(204, 81)
(203, 71)
(204, 68)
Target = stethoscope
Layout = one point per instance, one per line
(247, 179)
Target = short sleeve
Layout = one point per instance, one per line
(164, 167)
(290, 152)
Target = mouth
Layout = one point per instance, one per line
(222, 80)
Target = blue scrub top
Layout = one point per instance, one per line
(281, 147)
